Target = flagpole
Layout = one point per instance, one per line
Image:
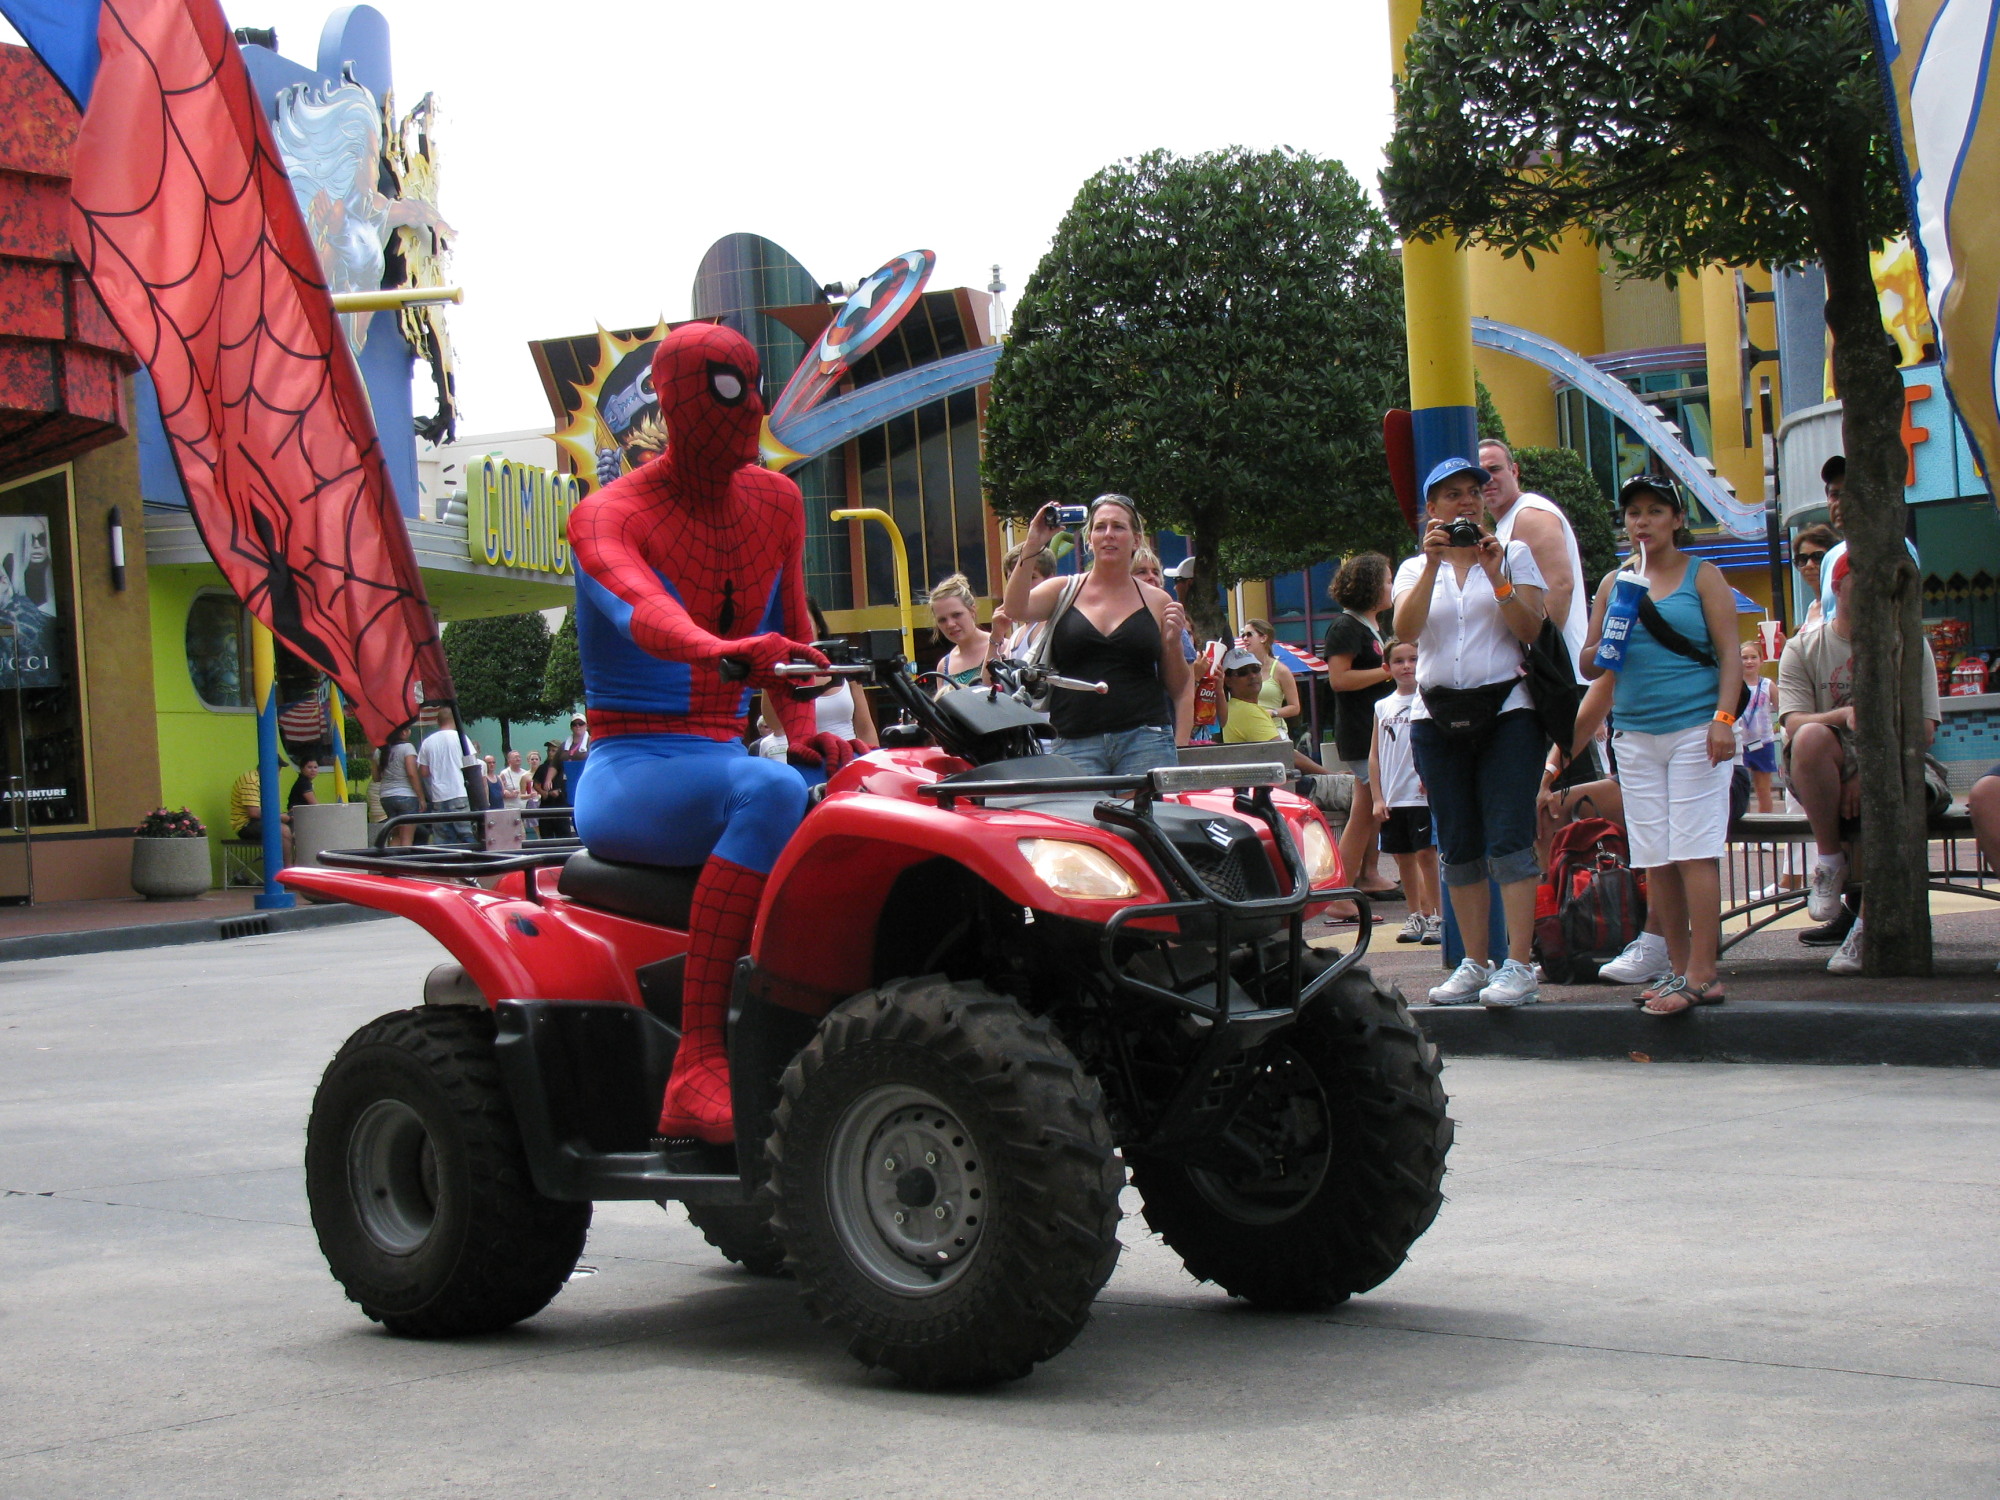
(271, 806)
(337, 717)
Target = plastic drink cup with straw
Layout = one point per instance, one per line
(1620, 615)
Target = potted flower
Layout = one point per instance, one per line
(170, 856)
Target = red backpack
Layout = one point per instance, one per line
(1590, 903)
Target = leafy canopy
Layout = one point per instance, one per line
(498, 666)
(562, 685)
(1217, 336)
(1683, 132)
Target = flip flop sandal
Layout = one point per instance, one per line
(1675, 988)
(1659, 989)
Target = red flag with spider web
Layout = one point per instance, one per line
(184, 218)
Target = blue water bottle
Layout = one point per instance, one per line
(1619, 616)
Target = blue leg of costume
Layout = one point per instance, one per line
(671, 799)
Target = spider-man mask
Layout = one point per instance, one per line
(706, 379)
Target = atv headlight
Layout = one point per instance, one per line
(1078, 870)
(1322, 860)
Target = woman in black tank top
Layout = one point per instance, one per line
(1117, 631)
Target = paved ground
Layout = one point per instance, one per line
(1649, 1281)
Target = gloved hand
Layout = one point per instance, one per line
(828, 750)
(759, 654)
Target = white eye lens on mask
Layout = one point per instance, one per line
(727, 386)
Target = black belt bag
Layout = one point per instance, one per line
(1466, 714)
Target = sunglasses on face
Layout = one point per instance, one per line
(1808, 559)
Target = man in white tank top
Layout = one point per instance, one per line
(1539, 522)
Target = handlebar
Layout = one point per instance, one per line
(736, 669)
(1075, 685)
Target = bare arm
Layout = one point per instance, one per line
(1544, 535)
(1172, 620)
(1375, 772)
(864, 719)
(1022, 600)
(1289, 686)
(1718, 612)
(1588, 666)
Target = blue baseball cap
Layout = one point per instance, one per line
(1449, 469)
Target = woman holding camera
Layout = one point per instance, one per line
(1473, 606)
(1107, 627)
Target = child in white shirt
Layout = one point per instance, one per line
(1400, 802)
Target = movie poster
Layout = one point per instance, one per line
(30, 651)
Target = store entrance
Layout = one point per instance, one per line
(17, 840)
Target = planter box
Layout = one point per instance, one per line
(170, 869)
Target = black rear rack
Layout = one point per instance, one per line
(456, 861)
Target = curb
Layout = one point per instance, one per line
(1839, 1032)
(178, 934)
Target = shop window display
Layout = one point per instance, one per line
(41, 703)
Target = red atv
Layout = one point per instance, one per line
(982, 987)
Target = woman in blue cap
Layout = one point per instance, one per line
(1473, 606)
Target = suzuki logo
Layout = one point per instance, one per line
(1219, 833)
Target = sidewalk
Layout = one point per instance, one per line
(61, 929)
(1783, 1004)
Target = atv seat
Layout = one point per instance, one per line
(661, 894)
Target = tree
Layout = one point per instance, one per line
(1689, 133)
(1218, 337)
(1563, 476)
(497, 665)
(562, 686)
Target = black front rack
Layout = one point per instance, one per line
(457, 861)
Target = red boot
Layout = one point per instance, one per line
(725, 908)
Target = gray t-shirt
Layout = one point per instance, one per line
(397, 771)
(1816, 674)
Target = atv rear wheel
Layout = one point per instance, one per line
(1348, 1114)
(944, 1182)
(418, 1185)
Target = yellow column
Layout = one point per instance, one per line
(1437, 310)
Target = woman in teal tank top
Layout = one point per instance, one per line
(1673, 732)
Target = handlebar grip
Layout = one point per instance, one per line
(832, 669)
(733, 669)
(1077, 686)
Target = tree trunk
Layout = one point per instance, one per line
(505, 743)
(1885, 601)
(1206, 615)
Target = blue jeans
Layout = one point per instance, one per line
(450, 833)
(1124, 752)
(1482, 796)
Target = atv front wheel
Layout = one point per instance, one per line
(944, 1182)
(418, 1186)
(1347, 1117)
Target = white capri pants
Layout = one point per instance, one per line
(1676, 803)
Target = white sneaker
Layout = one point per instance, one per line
(1643, 961)
(1465, 984)
(1434, 930)
(1413, 929)
(1848, 959)
(1513, 983)
(1829, 879)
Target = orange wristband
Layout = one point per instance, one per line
(1724, 716)
(1504, 590)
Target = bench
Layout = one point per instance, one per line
(242, 864)
(1753, 862)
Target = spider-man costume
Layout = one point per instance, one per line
(690, 559)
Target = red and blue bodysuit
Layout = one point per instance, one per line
(690, 559)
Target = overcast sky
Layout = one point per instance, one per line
(593, 150)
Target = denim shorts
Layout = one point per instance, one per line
(1124, 752)
(1482, 797)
